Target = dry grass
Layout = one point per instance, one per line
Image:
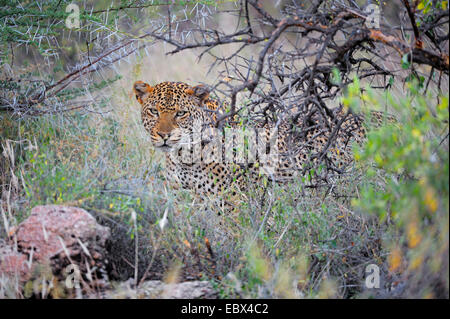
(295, 235)
(296, 242)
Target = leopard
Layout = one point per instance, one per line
(176, 115)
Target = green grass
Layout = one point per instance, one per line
(297, 242)
(72, 162)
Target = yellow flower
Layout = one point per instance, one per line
(378, 159)
(416, 262)
(416, 133)
(395, 260)
(430, 200)
(414, 237)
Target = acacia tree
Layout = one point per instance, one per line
(298, 49)
(323, 35)
(54, 51)
(284, 59)
(297, 59)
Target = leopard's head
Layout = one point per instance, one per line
(172, 110)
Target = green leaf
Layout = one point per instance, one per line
(391, 81)
(405, 62)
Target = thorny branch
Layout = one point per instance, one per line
(283, 64)
(279, 66)
(322, 24)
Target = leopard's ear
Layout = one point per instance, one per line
(200, 91)
(141, 89)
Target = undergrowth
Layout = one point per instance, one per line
(295, 242)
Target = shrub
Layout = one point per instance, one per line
(406, 184)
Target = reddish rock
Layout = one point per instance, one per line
(13, 264)
(51, 229)
(59, 236)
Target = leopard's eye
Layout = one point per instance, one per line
(181, 113)
(154, 111)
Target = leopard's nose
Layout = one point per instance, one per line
(164, 136)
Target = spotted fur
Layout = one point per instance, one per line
(170, 111)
